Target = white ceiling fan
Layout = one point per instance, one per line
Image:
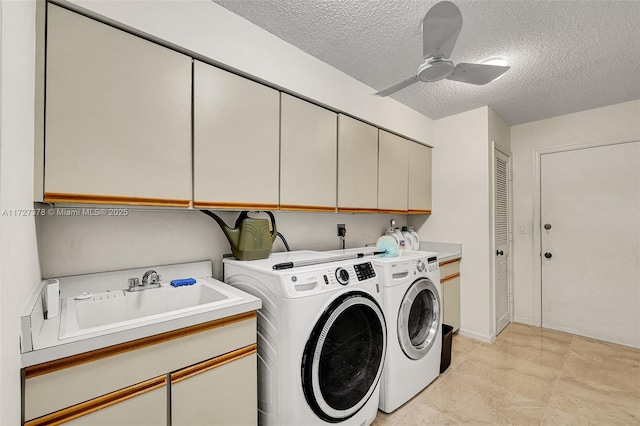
(440, 28)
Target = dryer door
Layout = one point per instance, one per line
(343, 357)
(419, 318)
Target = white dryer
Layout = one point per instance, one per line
(412, 307)
(321, 338)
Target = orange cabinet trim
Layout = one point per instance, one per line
(71, 361)
(419, 211)
(58, 197)
(393, 211)
(356, 210)
(449, 277)
(295, 207)
(449, 261)
(88, 407)
(210, 364)
(233, 206)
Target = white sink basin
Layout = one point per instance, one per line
(118, 310)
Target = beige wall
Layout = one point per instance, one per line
(612, 123)
(499, 131)
(19, 271)
(462, 205)
(72, 245)
(461, 210)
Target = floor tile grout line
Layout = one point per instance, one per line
(555, 386)
(463, 359)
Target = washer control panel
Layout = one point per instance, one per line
(432, 264)
(303, 283)
(364, 271)
(425, 265)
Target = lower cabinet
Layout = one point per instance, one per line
(220, 394)
(450, 281)
(204, 374)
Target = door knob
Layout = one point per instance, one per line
(547, 226)
(499, 252)
(548, 255)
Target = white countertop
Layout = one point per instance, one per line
(45, 344)
(446, 251)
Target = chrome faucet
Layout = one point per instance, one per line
(153, 275)
(150, 279)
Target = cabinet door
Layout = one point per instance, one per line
(144, 403)
(308, 151)
(118, 116)
(236, 133)
(223, 393)
(393, 173)
(357, 165)
(419, 178)
(149, 408)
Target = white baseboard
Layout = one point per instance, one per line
(477, 336)
(526, 320)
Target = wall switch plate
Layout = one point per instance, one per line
(524, 227)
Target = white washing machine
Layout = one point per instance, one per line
(412, 308)
(321, 338)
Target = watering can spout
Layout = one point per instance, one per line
(232, 234)
(251, 238)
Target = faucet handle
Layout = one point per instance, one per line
(133, 282)
(155, 279)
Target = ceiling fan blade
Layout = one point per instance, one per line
(440, 28)
(398, 86)
(478, 74)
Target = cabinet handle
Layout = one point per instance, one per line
(499, 252)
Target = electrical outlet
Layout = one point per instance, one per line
(342, 230)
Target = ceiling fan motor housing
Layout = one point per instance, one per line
(435, 69)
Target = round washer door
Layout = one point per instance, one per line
(419, 318)
(343, 357)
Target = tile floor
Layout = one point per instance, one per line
(529, 376)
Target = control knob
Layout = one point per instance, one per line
(421, 266)
(342, 275)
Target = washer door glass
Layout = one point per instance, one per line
(419, 318)
(343, 357)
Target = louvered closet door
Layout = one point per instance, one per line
(502, 232)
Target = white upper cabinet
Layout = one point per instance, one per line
(118, 116)
(357, 165)
(419, 178)
(393, 172)
(308, 156)
(236, 141)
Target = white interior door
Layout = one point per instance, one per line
(502, 229)
(590, 233)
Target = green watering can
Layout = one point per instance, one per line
(251, 238)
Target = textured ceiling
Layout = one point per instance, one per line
(565, 56)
